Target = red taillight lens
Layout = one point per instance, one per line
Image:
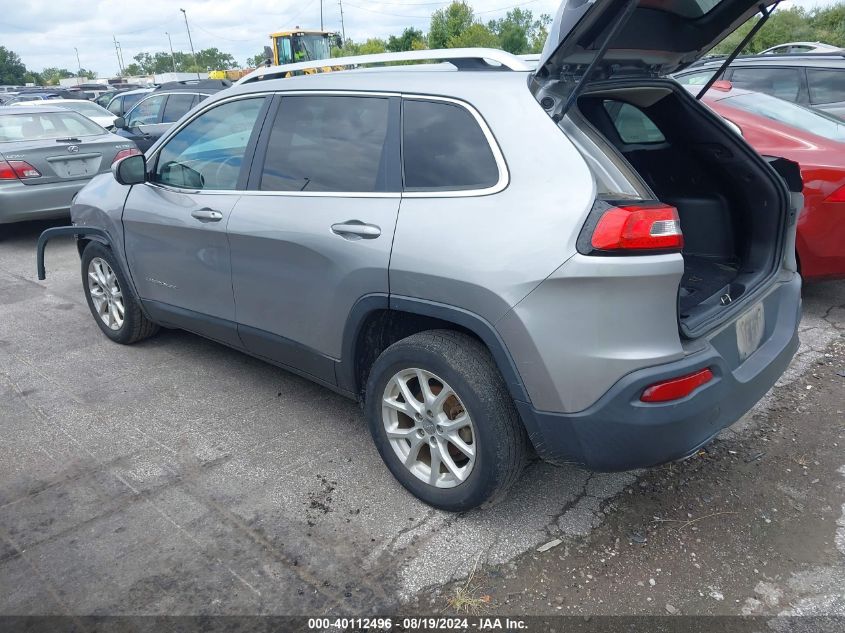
(837, 196)
(14, 169)
(676, 388)
(649, 227)
(124, 153)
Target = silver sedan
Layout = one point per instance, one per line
(47, 154)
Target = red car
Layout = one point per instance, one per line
(814, 140)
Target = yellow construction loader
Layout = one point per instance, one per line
(293, 46)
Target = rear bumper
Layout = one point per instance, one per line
(619, 432)
(20, 202)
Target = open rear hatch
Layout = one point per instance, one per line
(602, 64)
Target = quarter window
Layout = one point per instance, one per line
(209, 151)
(784, 83)
(632, 124)
(328, 143)
(443, 147)
(826, 86)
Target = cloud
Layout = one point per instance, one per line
(45, 32)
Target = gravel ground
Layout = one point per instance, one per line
(180, 477)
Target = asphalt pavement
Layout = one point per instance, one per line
(177, 476)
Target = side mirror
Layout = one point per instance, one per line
(120, 122)
(131, 170)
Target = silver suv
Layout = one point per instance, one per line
(578, 260)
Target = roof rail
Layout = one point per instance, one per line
(463, 58)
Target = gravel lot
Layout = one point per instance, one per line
(180, 477)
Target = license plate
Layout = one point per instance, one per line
(749, 331)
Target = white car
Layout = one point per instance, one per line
(801, 47)
(97, 114)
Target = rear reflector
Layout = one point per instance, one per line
(676, 388)
(837, 196)
(17, 169)
(125, 153)
(655, 227)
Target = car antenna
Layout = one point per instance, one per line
(767, 13)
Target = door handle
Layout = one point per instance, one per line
(207, 215)
(356, 230)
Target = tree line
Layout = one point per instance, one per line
(454, 26)
(795, 24)
(457, 26)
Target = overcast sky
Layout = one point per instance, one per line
(45, 32)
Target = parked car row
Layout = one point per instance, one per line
(47, 154)
(816, 79)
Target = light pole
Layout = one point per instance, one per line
(117, 53)
(172, 56)
(190, 41)
(321, 15)
(78, 66)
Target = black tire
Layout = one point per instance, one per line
(136, 327)
(501, 443)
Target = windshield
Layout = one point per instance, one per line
(796, 116)
(47, 125)
(302, 48)
(85, 109)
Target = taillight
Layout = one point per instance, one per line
(17, 169)
(676, 388)
(124, 153)
(837, 196)
(651, 227)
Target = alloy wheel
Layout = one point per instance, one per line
(429, 428)
(106, 294)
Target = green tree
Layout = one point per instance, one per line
(214, 59)
(474, 36)
(449, 23)
(785, 25)
(410, 40)
(12, 69)
(540, 34)
(133, 70)
(256, 60)
(50, 76)
(372, 46)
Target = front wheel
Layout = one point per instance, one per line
(112, 302)
(443, 420)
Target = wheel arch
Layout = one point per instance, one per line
(377, 321)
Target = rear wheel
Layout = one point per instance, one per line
(112, 302)
(443, 420)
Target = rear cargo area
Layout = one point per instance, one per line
(731, 209)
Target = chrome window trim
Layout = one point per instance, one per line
(498, 156)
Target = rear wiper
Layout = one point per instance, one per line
(69, 139)
(767, 13)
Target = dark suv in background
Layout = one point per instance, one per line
(153, 115)
(815, 80)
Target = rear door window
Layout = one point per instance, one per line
(444, 148)
(784, 83)
(826, 86)
(177, 105)
(328, 143)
